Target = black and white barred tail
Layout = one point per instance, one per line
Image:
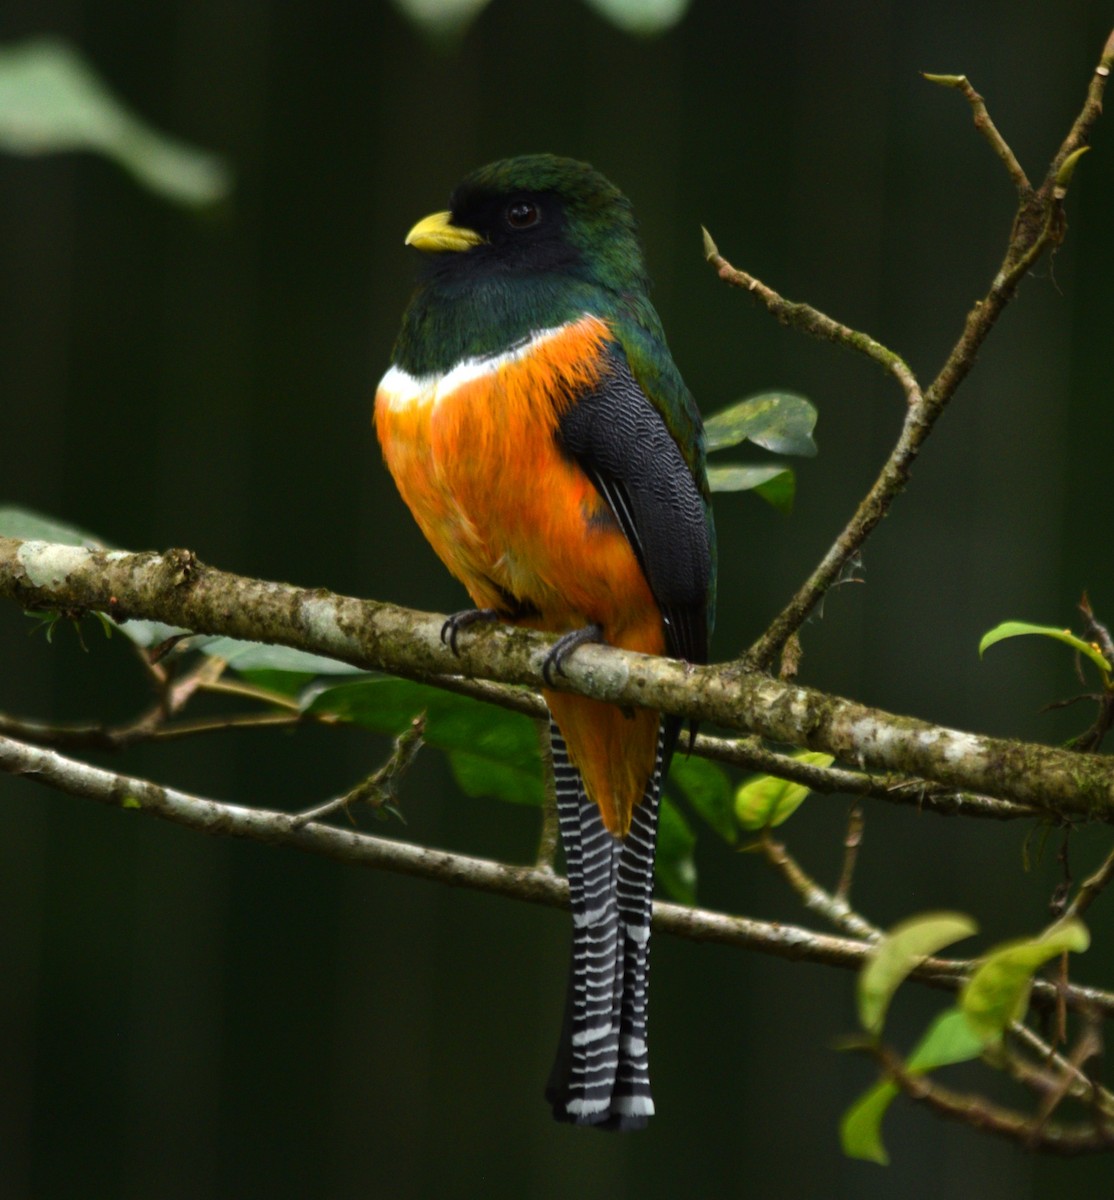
(601, 1074)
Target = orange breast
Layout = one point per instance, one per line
(474, 456)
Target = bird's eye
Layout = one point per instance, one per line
(522, 214)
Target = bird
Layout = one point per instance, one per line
(539, 431)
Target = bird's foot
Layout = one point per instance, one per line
(564, 646)
(450, 631)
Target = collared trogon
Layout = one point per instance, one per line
(537, 427)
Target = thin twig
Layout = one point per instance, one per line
(379, 788)
(1030, 1132)
(832, 908)
(986, 127)
(1098, 634)
(251, 691)
(547, 838)
(797, 315)
(1091, 888)
(747, 752)
(1088, 1046)
(852, 840)
(751, 755)
(1080, 1087)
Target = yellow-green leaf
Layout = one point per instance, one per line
(1067, 167)
(766, 800)
(998, 992)
(860, 1131)
(1010, 629)
(891, 961)
(951, 1038)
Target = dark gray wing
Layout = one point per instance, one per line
(621, 442)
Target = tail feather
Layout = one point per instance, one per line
(631, 1098)
(600, 1076)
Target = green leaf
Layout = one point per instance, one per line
(492, 752)
(766, 800)
(777, 485)
(1010, 629)
(779, 421)
(1067, 167)
(51, 101)
(860, 1131)
(998, 992)
(674, 866)
(951, 1038)
(892, 959)
(708, 790)
(259, 656)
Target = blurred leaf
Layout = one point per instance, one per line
(149, 633)
(242, 655)
(643, 17)
(492, 752)
(860, 1131)
(260, 656)
(998, 992)
(766, 800)
(33, 527)
(951, 1038)
(776, 484)
(897, 954)
(1010, 629)
(706, 787)
(51, 101)
(780, 490)
(779, 421)
(441, 18)
(674, 866)
(287, 683)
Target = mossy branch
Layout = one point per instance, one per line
(176, 588)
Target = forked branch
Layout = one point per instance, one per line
(1038, 225)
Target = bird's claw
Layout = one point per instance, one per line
(564, 646)
(450, 631)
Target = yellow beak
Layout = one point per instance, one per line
(437, 233)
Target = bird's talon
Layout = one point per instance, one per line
(450, 631)
(564, 646)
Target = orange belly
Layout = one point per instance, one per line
(474, 456)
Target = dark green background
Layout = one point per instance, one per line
(183, 1017)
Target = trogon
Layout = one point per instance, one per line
(536, 426)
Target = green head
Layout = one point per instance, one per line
(527, 243)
